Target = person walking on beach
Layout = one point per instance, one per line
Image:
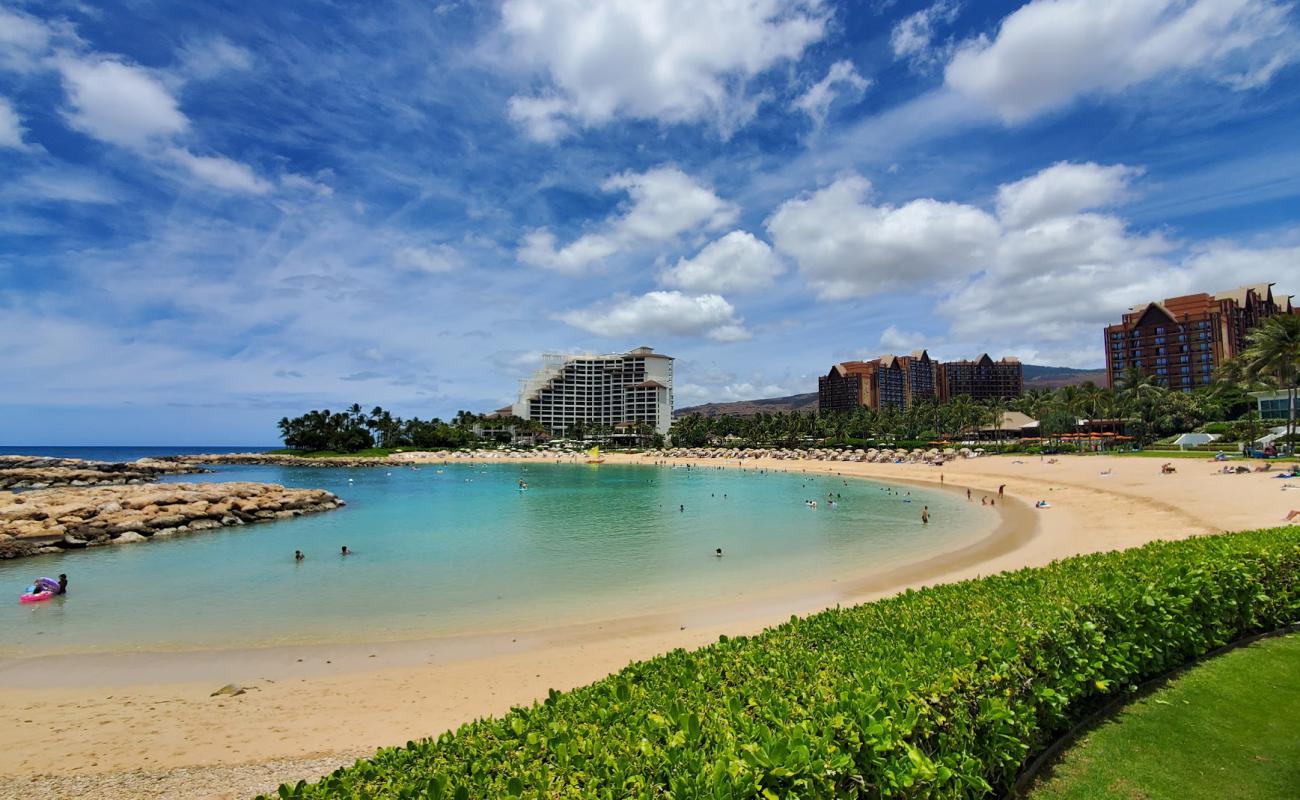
(1001, 489)
(925, 516)
(968, 494)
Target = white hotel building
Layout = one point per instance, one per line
(619, 389)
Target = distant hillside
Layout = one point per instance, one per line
(748, 408)
(1040, 377)
(1036, 377)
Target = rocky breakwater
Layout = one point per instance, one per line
(286, 460)
(40, 472)
(54, 520)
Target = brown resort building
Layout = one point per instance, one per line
(901, 381)
(1180, 341)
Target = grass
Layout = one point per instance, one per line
(1227, 728)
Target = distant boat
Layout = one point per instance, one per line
(593, 456)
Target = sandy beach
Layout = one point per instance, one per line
(148, 725)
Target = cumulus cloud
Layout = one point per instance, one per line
(11, 127)
(912, 36)
(663, 203)
(847, 247)
(737, 262)
(1063, 188)
(1050, 51)
(673, 61)
(661, 313)
(816, 102)
(1043, 274)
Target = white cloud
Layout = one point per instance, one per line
(896, 340)
(668, 60)
(817, 100)
(1039, 277)
(434, 259)
(11, 127)
(211, 57)
(847, 247)
(911, 38)
(737, 262)
(129, 106)
(119, 103)
(664, 203)
(1063, 188)
(1050, 51)
(661, 313)
(23, 40)
(65, 186)
(220, 172)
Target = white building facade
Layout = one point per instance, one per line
(619, 390)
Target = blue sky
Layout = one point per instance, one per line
(216, 214)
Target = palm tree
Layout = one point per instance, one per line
(1274, 349)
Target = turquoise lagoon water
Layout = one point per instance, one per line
(458, 549)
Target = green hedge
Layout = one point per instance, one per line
(940, 693)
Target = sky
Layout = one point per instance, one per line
(216, 214)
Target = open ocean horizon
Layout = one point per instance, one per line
(125, 452)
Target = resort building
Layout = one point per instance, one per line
(1273, 406)
(900, 381)
(886, 381)
(1180, 341)
(983, 379)
(627, 391)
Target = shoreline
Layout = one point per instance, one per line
(341, 702)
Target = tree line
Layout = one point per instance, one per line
(1139, 406)
(355, 429)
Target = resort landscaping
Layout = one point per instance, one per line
(944, 692)
(1225, 728)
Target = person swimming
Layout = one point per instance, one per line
(718, 552)
(298, 556)
(345, 551)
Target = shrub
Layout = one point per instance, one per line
(942, 693)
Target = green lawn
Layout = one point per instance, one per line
(1228, 728)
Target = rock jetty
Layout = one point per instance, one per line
(39, 472)
(54, 520)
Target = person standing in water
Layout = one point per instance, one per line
(925, 515)
(345, 551)
(718, 552)
(298, 556)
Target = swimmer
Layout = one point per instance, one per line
(718, 552)
(63, 584)
(345, 551)
(298, 556)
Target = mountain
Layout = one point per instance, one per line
(1036, 377)
(1040, 377)
(748, 408)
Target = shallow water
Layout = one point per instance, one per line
(458, 549)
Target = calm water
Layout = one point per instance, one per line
(126, 453)
(458, 549)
